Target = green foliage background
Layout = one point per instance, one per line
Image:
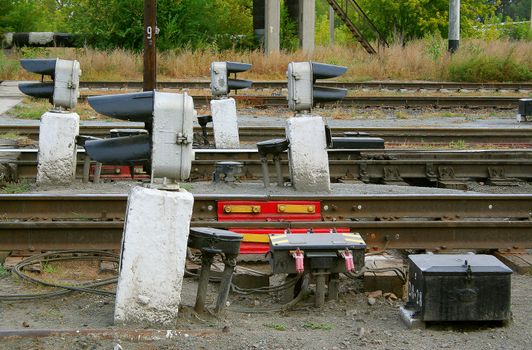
(221, 24)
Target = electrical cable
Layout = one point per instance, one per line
(86, 287)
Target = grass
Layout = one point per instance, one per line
(15, 187)
(3, 271)
(32, 108)
(424, 59)
(49, 268)
(315, 326)
(276, 326)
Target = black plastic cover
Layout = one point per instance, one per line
(357, 143)
(203, 120)
(327, 94)
(137, 106)
(307, 242)
(214, 240)
(453, 263)
(274, 146)
(326, 71)
(128, 150)
(237, 84)
(237, 67)
(525, 106)
(39, 65)
(39, 90)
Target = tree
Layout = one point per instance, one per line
(409, 19)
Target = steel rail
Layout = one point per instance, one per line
(396, 135)
(391, 221)
(390, 85)
(499, 102)
(363, 165)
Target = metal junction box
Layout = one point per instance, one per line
(464, 287)
(319, 252)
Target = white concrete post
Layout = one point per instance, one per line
(454, 25)
(57, 147)
(225, 123)
(272, 30)
(308, 158)
(307, 19)
(154, 249)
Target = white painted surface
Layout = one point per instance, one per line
(57, 148)
(172, 136)
(40, 38)
(154, 248)
(225, 124)
(66, 83)
(308, 159)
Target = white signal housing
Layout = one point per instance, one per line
(300, 83)
(172, 136)
(219, 85)
(66, 83)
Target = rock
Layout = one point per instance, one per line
(360, 331)
(390, 296)
(371, 301)
(375, 294)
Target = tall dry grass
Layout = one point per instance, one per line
(426, 59)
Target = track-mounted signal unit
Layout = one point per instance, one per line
(167, 149)
(221, 84)
(63, 90)
(302, 94)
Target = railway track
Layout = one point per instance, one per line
(416, 86)
(438, 168)
(498, 102)
(466, 221)
(521, 137)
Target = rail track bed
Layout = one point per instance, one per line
(413, 221)
(451, 169)
(373, 85)
(508, 136)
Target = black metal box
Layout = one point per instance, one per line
(320, 251)
(466, 287)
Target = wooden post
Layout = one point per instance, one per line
(150, 47)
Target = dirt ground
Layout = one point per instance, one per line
(348, 323)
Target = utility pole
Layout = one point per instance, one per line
(150, 47)
(331, 25)
(454, 25)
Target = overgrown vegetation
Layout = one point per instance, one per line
(228, 24)
(15, 187)
(424, 59)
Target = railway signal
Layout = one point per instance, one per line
(167, 149)
(63, 90)
(302, 94)
(221, 84)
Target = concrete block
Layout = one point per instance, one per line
(57, 148)
(154, 249)
(225, 124)
(386, 281)
(308, 159)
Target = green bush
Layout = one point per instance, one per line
(482, 68)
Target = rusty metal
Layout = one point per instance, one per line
(419, 221)
(499, 102)
(205, 84)
(388, 166)
(392, 135)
